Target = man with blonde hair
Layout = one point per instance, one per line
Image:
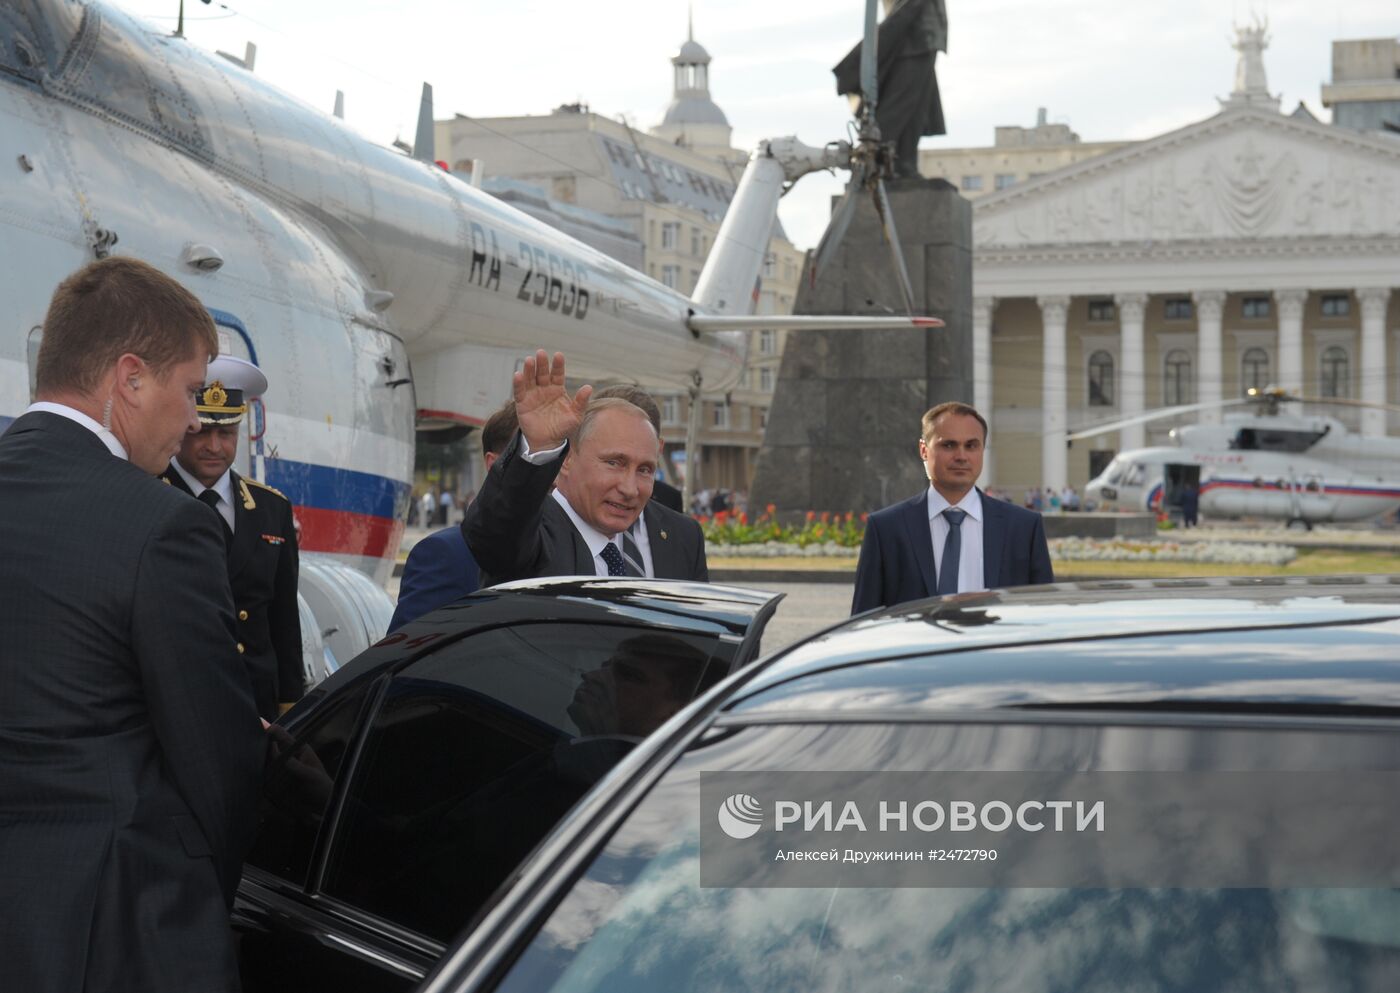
(130, 749)
(600, 457)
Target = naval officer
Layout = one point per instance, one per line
(259, 534)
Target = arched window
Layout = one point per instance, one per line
(1100, 379)
(1254, 369)
(1176, 377)
(1336, 372)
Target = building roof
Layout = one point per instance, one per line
(691, 53)
(694, 107)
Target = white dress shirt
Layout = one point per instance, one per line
(222, 486)
(971, 577)
(78, 417)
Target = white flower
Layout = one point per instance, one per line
(1160, 550)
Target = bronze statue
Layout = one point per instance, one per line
(907, 105)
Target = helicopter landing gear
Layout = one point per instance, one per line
(1298, 524)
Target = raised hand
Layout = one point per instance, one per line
(546, 412)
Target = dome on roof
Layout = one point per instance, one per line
(694, 110)
(691, 53)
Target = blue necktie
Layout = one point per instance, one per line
(613, 558)
(952, 550)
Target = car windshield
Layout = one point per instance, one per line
(639, 920)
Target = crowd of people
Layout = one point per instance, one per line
(147, 647)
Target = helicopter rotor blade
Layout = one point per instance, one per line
(836, 229)
(1154, 415)
(869, 59)
(1344, 402)
(882, 207)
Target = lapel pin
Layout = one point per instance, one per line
(663, 535)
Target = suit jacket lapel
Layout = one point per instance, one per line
(245, 529)
(993, 538)
(920, 536)
(663, 555)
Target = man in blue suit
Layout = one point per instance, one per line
(440, 568)
(951, 538)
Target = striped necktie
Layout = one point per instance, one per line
(632, 556)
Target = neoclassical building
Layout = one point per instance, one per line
(1247, 249)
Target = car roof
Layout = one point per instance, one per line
(1268, 645)
(726, 611)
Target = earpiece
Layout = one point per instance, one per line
(135, 382)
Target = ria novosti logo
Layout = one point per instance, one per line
(741, 816)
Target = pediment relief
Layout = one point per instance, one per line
(1235, 176)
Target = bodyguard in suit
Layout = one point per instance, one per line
(602, 458)
(952, 538)
(130, 749)
(258, 530)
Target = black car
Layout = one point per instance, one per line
(406, 788)
(1245, 681)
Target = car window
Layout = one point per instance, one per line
(639, 920)
(298, 784)
(480, 748)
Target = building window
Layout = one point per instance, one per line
(670, 235)
(765, 379)
(1336, 372)
(694, 279)
(1100, 310)
(1254, 369)
(762, 417)
(1336, 305)
(1005, 179)
(670, 410)
(721, 415)
(1101, 379)
(1176, 377)
(972, 182)
(768, 342)
(1177, 309)
(770, 266)
(1254, 307)
(671, 275)
(694, 241)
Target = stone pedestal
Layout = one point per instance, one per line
(843, 430)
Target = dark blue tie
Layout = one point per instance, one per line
(952, 551)
(613, 558)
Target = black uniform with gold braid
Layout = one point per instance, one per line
(262, 572)
(262, 561)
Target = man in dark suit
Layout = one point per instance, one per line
(130, 750)
(603, 455)
(440, 567)
(258, 529)
(951, 538)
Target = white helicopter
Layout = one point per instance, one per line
(1302, 469)
(374, 288)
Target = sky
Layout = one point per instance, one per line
(1111, 69)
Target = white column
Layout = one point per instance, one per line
(982, 372)
(1374, 374)
(1054, 396)
(1132, 388)
(1210, 306)
(1290, 338)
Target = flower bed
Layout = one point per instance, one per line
(735, 531)
(1123, 550)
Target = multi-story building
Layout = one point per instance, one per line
(1365, 90)
(671, 185)
(1250, 248)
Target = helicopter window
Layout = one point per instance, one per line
(1134, 474)
(1254, 369)
(1274, 440)
(1101, 379)
(1113, 475)
(1335, 375)
(1176, 377)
